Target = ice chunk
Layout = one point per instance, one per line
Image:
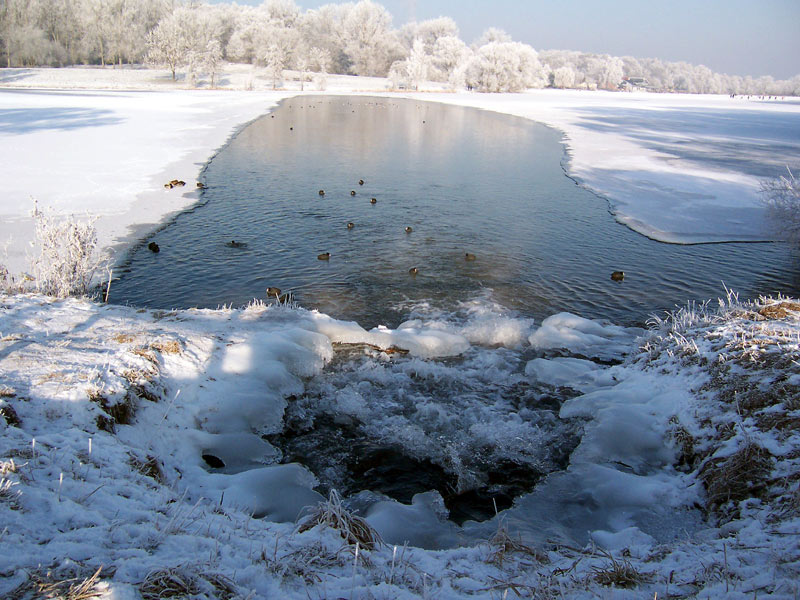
(584, 336)
(237, 451)
(277, 493)
(579, 374)
(419, 524)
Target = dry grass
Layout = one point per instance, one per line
(9, 414)
(123, 338)
(8, 494)
(685, 443)
(147, 354)
(182, 582)
(47, 585)
(308, 563)
(618, 573)
(167, 346)
(501, 545)
(352, 528)
(740, 476)
(149, 467)
(779, 310)
(120, 412)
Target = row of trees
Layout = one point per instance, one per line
(352, 37)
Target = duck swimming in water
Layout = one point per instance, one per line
(373, 200)
(469, 256)
(617, 275)
(273, 291)
(322, 192)
(153, 247)
(324, 256)
(409, 230)
(352, 192)
(360, 182)
(413, 271)
(235, 244)
(350, 225)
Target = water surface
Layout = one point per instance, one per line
(464, 180)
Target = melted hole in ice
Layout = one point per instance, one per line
(474, 429)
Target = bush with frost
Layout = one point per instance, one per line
(781, 196)
(64, 261)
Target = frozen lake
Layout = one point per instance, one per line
(464, 181)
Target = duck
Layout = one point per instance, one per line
(235, 244)
(350, 225)
(469, 256)
(153, 247)
(324, 256)
(201, 185)
(373, 200)
(360, 182)
(322, 192)
(169, 185)
(409, 230)
(273, 291)
(617, 275)
(352, 192)
(413, 271)
(177, 183)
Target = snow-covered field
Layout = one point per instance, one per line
(131, 448)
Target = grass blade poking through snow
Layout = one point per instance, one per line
(352, 528)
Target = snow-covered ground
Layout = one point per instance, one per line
(679, 168)
(131, 443)
(111, 417)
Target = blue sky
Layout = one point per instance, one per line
(738, 37)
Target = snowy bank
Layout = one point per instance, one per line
(132, 443)
(670, 165)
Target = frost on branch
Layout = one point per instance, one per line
(63, 263)
(782, 199)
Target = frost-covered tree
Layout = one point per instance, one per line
(493, 35)
(369, 41)
(781, 196)
(564, 77)
(611, 73)
(212, 60)
(170, 43)
(449, 60)
(275, 60)
(417, 64)
(505, 67)
(428, 32)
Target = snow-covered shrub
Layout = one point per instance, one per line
(64, 262)
(782, 199)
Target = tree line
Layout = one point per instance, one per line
(354, 38)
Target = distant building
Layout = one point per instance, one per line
(634, 83)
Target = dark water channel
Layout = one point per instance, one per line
(464, 180)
